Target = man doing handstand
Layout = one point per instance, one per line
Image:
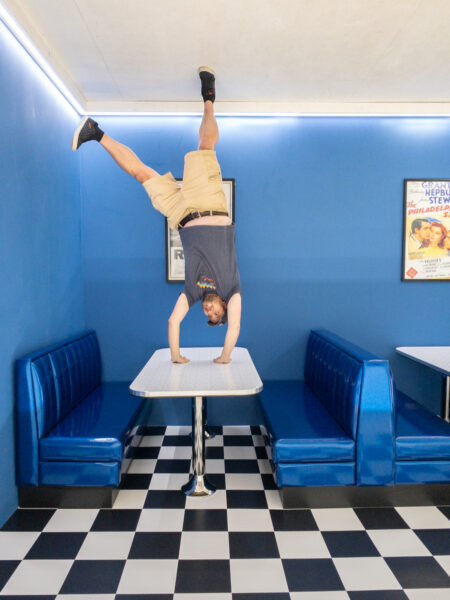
(199, 211)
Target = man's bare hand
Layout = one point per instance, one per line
(180, 359)
(222, 360)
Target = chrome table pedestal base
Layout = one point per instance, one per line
(198, 484)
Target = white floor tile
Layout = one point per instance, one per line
(168, 481)
(337, 519)
(444, 561)
(246, 519)
(85, 597)
(423, 517)
(14, 545)
(236, 430)
(106, 545)
(161, 519)
(148, 577)
(217, 440)
(178, 429)
(397, 542)
(258, 440)
(38, 577)
(217, 500)
(301, 544)
(151, 441)
(175, 452)
(264, 466)
(257, 575)
(239, 452)
(204, 545)
(215, 465)
(434, 594)
(72, 519)
(319, 596)
(273, 499)
(142, 466)
(243, 481)
(130, 499)
(365, 574)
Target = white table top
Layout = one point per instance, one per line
(161, 377)
(436, 357)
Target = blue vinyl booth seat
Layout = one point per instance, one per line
(335, 427)
(72, 429)
(422, 444)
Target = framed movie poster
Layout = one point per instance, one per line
(174, 249)
(426, 230)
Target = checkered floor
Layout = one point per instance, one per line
(239, 544)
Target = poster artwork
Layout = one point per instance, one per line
(426, 226)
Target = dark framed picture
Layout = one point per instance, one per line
(426, 230)
(174, 249)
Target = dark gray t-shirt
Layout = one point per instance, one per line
(210, 262)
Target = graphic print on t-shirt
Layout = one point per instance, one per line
(206, 283)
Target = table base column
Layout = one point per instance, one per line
(198, 484)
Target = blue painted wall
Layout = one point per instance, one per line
(40, 234)
(319, 206)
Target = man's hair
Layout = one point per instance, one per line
(209, 297)
(417, 224)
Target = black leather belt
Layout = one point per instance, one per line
(196, 214)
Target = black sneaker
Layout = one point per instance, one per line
(86, 131)
(207, 76)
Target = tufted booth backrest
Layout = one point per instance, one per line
(50, 383)
(335, 377)
(356, 387)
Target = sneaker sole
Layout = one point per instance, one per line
(77, 133)
(207, 69)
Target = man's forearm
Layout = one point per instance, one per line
(230, 340)
(174, 339)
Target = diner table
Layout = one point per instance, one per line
(198, 379)
(437, 358)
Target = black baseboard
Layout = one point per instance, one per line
(347, 496)
(52, 496)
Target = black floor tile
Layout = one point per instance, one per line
(418, 572)
(268, 481)
(136, 481)
(56, 546)
(155, 545)
(259, 544)
(241, 466)
(237, 440)
(293, 520)
(142, 597)
(246, 499)
(309, 575)
(177, 440)
(255, 429)
(445, 510)
(93, 577)
(7, 568)
(196, 576)
(28, 520)
(217, 480)
(380, 518)
(261, 452)
(436, 540)
(116, 520)
(146, 430)
(378, 595)
(343, 544)
(165, 499)
(205, 520)
(173, 465)
(214, 452)
(147, 452)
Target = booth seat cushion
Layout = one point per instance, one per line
(300, 427)
(97, 429)
(420, 435)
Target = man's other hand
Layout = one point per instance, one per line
(222, 360)
(180, 359)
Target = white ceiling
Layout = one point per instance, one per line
(270, 55)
